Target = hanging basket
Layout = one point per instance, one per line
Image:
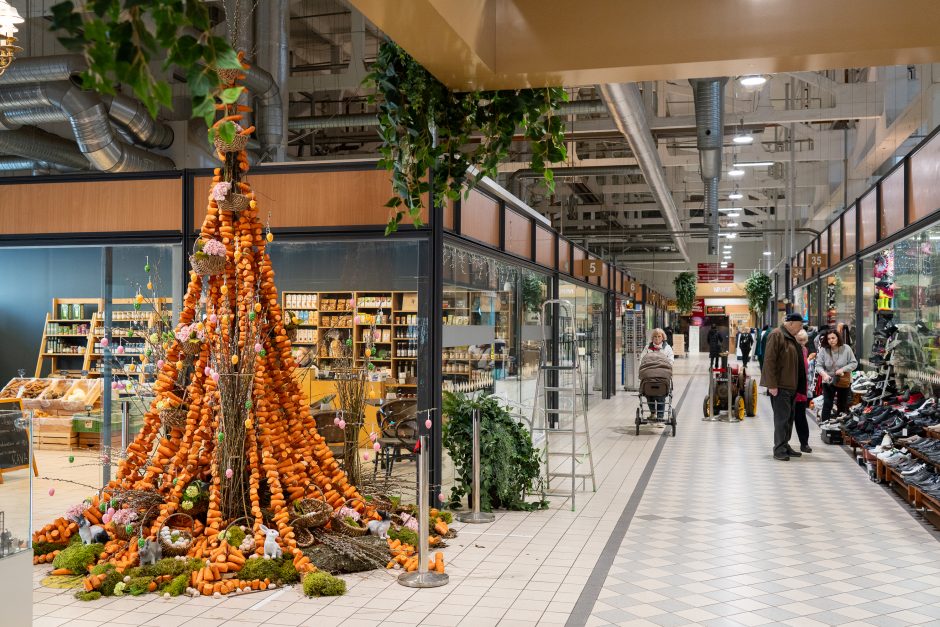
(238, 143)
(379, 501)
(228, 76)
(173, 418)
(339, 525)
(171, 549)
(207, 265)
(312, 513)
(190, 348)
(234, 202)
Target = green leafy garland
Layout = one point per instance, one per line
(758, 290)
(509, 464)
(685, 292)
(424, 125)
(119, 38)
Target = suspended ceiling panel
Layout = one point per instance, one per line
(504, 44)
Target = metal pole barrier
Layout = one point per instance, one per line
(125, 411)
(476, 516)
(423, 578)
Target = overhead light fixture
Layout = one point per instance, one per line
(767, 253)
(734, 214)
(752, 80)
(736, 171)
(735, 195)
(727, 246)
(752, 164)
(730, 235)
(723, 264)
(935, 238)
(743, 139)
(9, 18)
(732, 224)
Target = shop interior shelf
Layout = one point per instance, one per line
(69, 319)
(415, 358)
(64, 354)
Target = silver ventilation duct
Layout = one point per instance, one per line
(91, 126)
(35, 144)
(271, 32)
(709, 97)
(271, 131)
(133, 116)
(626, 109)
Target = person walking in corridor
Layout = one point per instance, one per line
(715, 341)
(761, 344)
(784, 373)
(745, 344)
(802, 399)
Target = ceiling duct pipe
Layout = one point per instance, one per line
(271, 33)
(32, 143)
(316, 122)
(271, 131)
(709, 97)
(90, 124)
(514, 180)
(626, 109)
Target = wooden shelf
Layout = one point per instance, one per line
(68, 320)
(64, 354)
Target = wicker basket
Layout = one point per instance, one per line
(234, 202)
(312, 513)
(207, 265)
(239, 142)
(339, 525)
(302, 535)
(228, 76)
(171, 550)
(173, 418)
(191, 348)
(292, 335)
(381, 502)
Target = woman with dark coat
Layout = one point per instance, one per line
(715, 342)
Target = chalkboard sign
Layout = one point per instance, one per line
(14, 437)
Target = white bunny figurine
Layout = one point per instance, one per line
(150, 553)
(271, 548)
(380, 527)
(91, 534)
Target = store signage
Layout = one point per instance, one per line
(714, 273)
(633, 287)
(672, 305)
(698, 307)
(715, 310)
(589, 267)
(817, 260)
(796, 272)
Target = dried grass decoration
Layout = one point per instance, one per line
(348, 521)
(208, 258)
(176, 542)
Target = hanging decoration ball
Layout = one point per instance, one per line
(129, 529)
(341, 424)
(365, 457)
(51, 491)
(213, 318)
(248, 423)
(440, 497)
(106, 518)
(348, 342)
(228, 473)
(224, 289)
(427, 423)
(120, 349)
(141, 542)
(215, 377)
(258, 347)
(149, 285)
(258, 307)
(160, 364)
(269, 236)
(248, 404)
(207, 371)
(371, 366)
(234, 360)
(377, 446)
(147, 268)
(71, 459)
(263, 353)
(373, 436)
(105, 341)
(179, 364)
(221, 437)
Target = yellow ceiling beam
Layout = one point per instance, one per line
(503, 44)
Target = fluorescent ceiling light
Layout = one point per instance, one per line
(735, 195)
(732, 224)
(727, 246)
(730, 235)
(752, 164)
(754, 80)
(734, 214)
(767, 253)
(723, 264)
(743, 139)
(736, 172)
(935, 238)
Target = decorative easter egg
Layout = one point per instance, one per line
(105, 341)
(373, 436)
(215, 377)
(224, 289)
(114, 385)
(71, 459)
(110, 511)
(221, 437)
(252, 315)
(228, 473)
(119, 350)
(427, 423)
(248, 404)
(147, 268)
(149, 285)
(248, 423)
(258, 347)
(258, 307)
(348, 342)
(129, 529)
(341, 424)
(179, 364)
(160, 363)
(106, 518)
(234, 360)
(377, 446)
(336, 421)
(269, 237)
(365, 457)
(263, 353)
(51, 491)
(213, 318)
(207, 371)
(440, 497)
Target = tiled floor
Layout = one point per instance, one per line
(722, 534)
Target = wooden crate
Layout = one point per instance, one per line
(93, 440)
(61, 441)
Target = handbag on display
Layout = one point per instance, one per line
(844, 380)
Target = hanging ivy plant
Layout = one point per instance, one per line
(685, 292)
(758, 290)
(120, 38)
(424, 125)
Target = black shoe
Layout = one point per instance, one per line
(793, 453)
(806, 448)
(782, 457)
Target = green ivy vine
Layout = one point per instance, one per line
(685, 292)
(758, 289)
(424, 125)
(509, 464)
(120, 38)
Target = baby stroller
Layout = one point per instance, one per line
(655, 389)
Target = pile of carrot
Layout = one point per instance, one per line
(282, 445)
(405, 557)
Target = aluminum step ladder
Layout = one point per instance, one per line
(559, 414)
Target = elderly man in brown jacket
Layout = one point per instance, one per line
(784, 373)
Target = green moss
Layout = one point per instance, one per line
(78, 557)
(280, 571)
(320, 584)
(447, 516)
(110, 582)
(167, 566)
(44, 548)
(407, 536)
(138, 585)
(234, 536)
(100, 569)
(88, 596)
(177, 586)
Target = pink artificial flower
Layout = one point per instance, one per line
(220, 190)
(214, 247)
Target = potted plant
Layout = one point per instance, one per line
(758, 290)
(685, 292)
